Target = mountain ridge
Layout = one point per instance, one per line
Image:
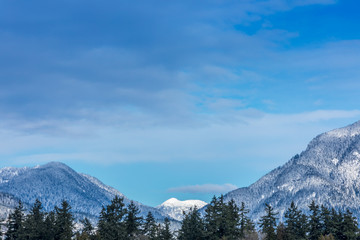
(327, 171)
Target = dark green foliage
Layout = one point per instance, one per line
(222, 220)
(325, 220)
(315, 228)
(296, 223)
(111, 224)
(64, 222)
(245, 224)
(350, 226)
(50, 226)
(281, 233)
(87, 232)
(165, 232)
(150, 228)
(268, 223)
(132, 221)
(192, 227)
(15, 223)
(34, 226)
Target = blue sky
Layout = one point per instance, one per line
(181, 99)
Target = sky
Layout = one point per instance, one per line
(185, 99)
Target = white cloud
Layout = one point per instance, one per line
(205, 188)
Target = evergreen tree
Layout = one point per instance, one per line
(150, 228)
(268, 223)
(192, 227)
(111, 224)
(87, 232)
(350, 226)
(34, 227)
(212, 217)
(50, 226)
(281, 233)
(337, 224)
(296, 223)
(165, 232)
(314, 222)
(64, 222)
(15, 223)
(132, 220)
(246, 226)
(325, 220)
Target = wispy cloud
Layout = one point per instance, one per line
(205, 188)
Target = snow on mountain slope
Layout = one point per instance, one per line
(175, 208)
(327, 172)
(53, 182)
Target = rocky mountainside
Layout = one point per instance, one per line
(328, 171)
(175, 208)
(53, 182)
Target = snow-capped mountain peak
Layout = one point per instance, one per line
(328, 171)
(175, 208)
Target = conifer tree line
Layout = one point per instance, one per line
(220, 221)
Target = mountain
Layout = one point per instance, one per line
(53, 182)
(328, 171)
(175, 208)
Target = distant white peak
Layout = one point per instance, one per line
(173, 202)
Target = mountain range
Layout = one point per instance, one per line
(328, 172)
(53, 182)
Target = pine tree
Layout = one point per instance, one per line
(296, 224)
(50, 226)
(337, 224)
(64, 222)
(15, 223)
(268, 223)
(246, 226)
(281, 233)
(111, 224)
(87, 232)
(325, 220)
(192, 227)
(212, 217)
(232, 221)
(132, 221)
(34, 227)
(350, 226)
(150, 228)
(314, 222)
(165, 232)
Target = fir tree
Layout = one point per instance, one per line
(295, 223)
(337, 224)
(165, 232)
(268, 223)
(132, 220)
(212, 213)
(350, 226)
(111, 224)
(87, 232)
(63, 222)
(232, 221)
(192, 227)
(49, 224)
(34, 227)
(246, 226)
(15, 223)
(314, 222)
(150, 228)
(281, 233)
(325, 220)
